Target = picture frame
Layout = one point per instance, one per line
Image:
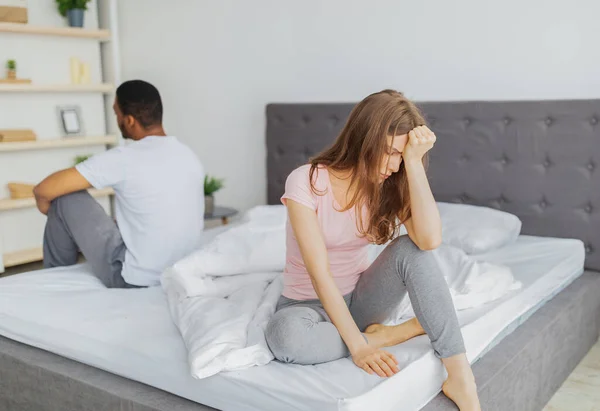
(71, 120)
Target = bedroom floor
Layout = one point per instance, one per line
(580, 392)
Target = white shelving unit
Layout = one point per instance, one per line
(28, 42)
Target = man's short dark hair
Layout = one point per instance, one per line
(141, 100)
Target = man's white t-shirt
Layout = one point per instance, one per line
(159, 204)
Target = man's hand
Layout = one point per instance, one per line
(58, 184)
(43, 205)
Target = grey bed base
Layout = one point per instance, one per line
(538, 160)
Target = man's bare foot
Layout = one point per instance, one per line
(380, 335)
(463, 392)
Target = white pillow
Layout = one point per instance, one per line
(473, 229)
(257, 244)
(476, 229)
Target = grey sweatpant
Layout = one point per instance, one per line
(301, 332)
(77, 222)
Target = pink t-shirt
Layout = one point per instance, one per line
(346, 249)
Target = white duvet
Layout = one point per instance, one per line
(222, 296)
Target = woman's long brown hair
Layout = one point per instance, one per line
(360, 148)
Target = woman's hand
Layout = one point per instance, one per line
(375, 360)
(420, 141)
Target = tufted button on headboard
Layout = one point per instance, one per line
(536, 159)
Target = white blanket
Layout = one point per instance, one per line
(222, 296)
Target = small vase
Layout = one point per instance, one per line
(209, 205)
(11, 74)
(75, 17)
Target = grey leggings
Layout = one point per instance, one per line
(300, 332)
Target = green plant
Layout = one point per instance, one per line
(81, 159)
(66, 5)
(212, 185)
(11, 65)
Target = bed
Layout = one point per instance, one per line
(534, 159)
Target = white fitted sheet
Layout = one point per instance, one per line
(130, 333)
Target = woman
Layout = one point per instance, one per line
(358, 192)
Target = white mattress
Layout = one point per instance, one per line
(130, 333)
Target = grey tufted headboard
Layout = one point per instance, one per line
(539, 160)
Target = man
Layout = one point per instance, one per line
(159, 205)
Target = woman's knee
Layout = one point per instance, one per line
(285, 332)
(405, 249)
(405, 244)
(410, 259)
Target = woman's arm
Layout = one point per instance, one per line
(314, 253)
(424, 227)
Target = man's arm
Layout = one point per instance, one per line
(56, 185)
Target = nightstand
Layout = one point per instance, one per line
(221, 212)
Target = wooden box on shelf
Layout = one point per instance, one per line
(20, 190)
(13, 11)
(11, 136)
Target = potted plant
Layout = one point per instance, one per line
(73, 10)
(211, 186)
(11, 70)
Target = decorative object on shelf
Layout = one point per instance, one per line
(211, 186)
(13, 11)
(81, 159)
(70, 119)
(11, 70)
(75, 70)
(11, 136)
(20, 190)
(84, 73)
(80, 72)
(11, 74)
(73, 10)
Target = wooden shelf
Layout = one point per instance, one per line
(15, 81)
(102, 35)
(54, 88)
(23, 257)
(10, 204)
(58, 143)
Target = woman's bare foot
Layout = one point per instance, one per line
(463, 392)
(460, 386)
(380, 335)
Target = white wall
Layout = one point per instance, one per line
(218, 63)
